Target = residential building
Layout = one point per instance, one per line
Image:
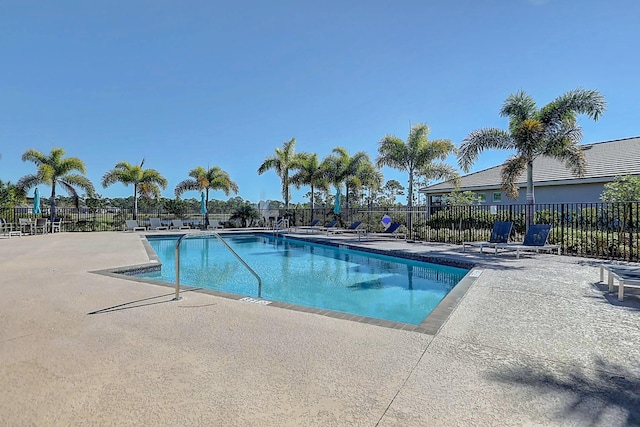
(553, 181)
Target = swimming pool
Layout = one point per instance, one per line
(310, 275)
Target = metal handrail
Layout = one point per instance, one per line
(211, 233)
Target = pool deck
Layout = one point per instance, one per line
(533, 341)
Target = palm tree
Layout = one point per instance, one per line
(284, 160)
(204, 180)
(417, 156)
(310, 172)
(343, 168)
(550, 131)
(371, 178)
(146, 182)
(53, 170)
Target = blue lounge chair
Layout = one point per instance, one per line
(391, 231)
(500, 234)
(332, 225)
(353, 228)
(312, 226)
(534, 240)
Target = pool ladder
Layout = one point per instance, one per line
(226, 245)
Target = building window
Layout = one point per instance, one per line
(497, 197)
(482, 197)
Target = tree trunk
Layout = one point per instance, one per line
(410, 205)
(206, 210)
(52, 207)
(531, 199)
(312, 202)
(135, 201)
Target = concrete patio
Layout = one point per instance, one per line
(534, 341)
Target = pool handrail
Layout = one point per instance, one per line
(217, 235)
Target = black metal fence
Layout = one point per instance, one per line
(598, 230)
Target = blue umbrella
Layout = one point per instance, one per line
(336, 207)
(203, 204)
(36, 202)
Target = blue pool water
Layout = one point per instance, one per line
(311, 275)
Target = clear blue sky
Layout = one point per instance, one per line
(204, 83)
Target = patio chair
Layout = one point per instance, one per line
(41, 225)
(627, 276)
(312, 226)
(534, 240)
(132, 225)
(391, 231)
(26, 225)
(6, 229)
(177, 224)
(156, 224)
(353, 228)
(56, 225)
(330, 226)
(500, 234)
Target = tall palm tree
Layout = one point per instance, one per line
(284, 160)
(371, 178)
(550, 131)
(310, 172)
(54, 170)
(417, 156)
(146, 182)
(204, 180)
(343, 169)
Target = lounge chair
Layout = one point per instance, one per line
(500, 234)
(627, 276)
(330, 226)
(155, 224)
(353, 228)
(534, 240)
(132, 225)
(313, 225)
(390, 231)
(177, 224)
(215, 224)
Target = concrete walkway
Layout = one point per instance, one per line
(535, 341)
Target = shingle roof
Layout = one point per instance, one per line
(604, 161)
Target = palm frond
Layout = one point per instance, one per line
(186, 185)
(480, 140)
(577, 101)
(512, 169)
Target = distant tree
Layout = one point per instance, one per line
(460, 198)
(247, 213)
(284, 160)
(205, 180)
(10, 195)
(550, 131)
(54, 170)
(176, 207)
(392, 189)
(146, 182)
(623, 189)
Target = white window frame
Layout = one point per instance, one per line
(497, 199)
